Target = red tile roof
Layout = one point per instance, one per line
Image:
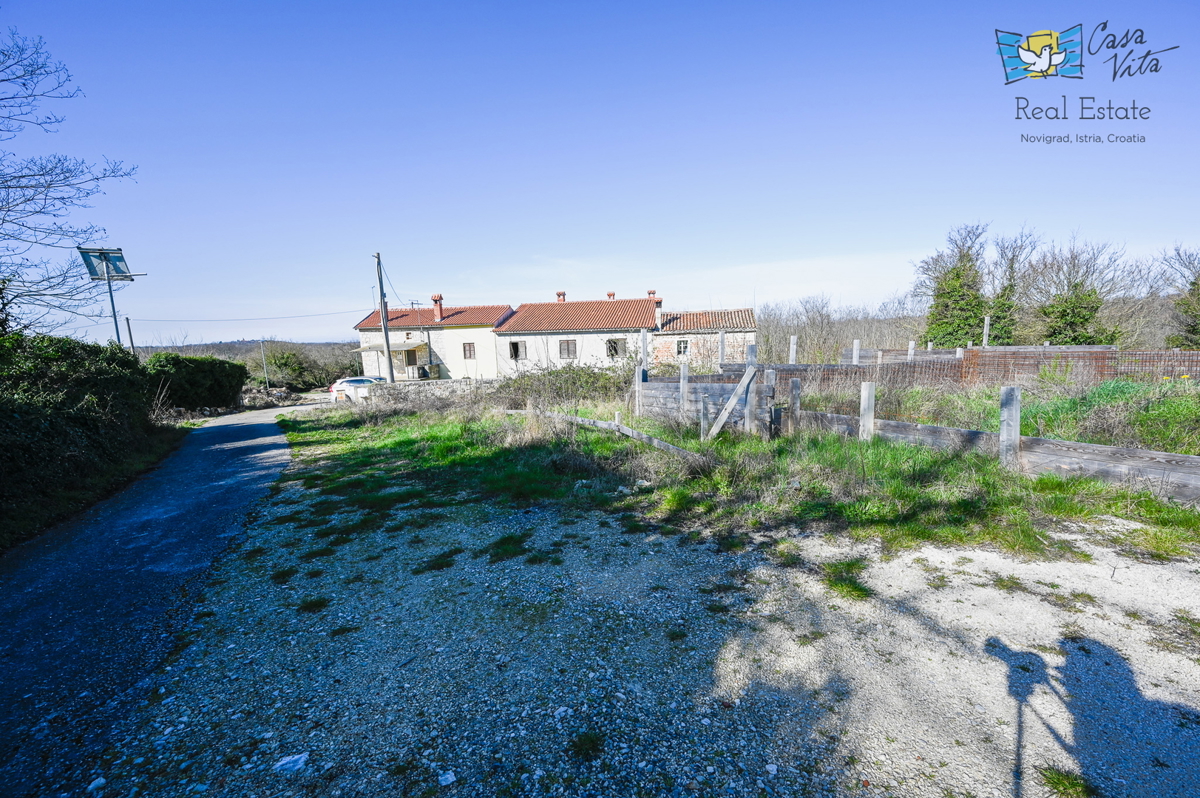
(698, 321)
(598, 314)
(451, 317)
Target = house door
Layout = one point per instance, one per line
(410, 357)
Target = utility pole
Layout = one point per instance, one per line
(262, 347)
(383, 320)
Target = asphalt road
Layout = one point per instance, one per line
(91, 608)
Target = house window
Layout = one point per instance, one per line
(566, 349)
(516, 350)
(681, 347)
(615, 347)
(468, 351)
(408, 336)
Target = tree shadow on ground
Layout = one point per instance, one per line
(1125, 745)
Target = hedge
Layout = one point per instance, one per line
(194, 382)
(68, 410)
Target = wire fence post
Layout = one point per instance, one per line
(792, 351)
(866, 411)
(1010, 428)
(704, 417)
(794, 404)
(854, 352)
(683, 391)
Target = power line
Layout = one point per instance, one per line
(262, 318)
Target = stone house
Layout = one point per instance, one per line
(694, 337)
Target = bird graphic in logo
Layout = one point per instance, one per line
(1043, 54)
(1040, 64)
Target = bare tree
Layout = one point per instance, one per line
(38, 291)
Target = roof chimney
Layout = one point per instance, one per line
(657, 308)
(612, 294)
(562, 296)
(437, 307)
(651, 294)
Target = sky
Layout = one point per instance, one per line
(725, 154)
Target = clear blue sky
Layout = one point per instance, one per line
(720, 153)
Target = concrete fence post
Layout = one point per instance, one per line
(752, 354)
(866, 411)
(912, 350)
(794, 404)
(751, 418)
(705, 418)
(878, 357)
(683, 391)
(854, 352)
(1010, 428)
(792, 351)
(929, 346)
(958, 353)
(617, 418)
(987, 328)
(720, 347)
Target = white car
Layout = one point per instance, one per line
(346, 385)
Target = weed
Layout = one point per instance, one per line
(842, 578)
(438, 562)
(282, 576)
(1065, 784)
(313, 604)
(1010, 583)
(717, 607)
(1073, 632)
(343, 630)
(255, 553)
(786, 553)
(587, 745)
(506, 547)
(324, 551)
(314, 573)
(676, 634)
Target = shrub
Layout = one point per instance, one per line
(194, 382)
(69, 410)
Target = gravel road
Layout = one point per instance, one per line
(92, 607)
(604, 663)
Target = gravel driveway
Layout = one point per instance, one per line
(93, 606)
(420, 658)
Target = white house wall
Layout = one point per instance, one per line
(542, 350)
(446, 344)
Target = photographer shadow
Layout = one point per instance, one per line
(1125, 745)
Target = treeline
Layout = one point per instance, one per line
(1031, 291)
(77, 418)
(295, 366)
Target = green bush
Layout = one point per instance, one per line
(69, 410)
(194, 382)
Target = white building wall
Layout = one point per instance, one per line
(446, 344)
(542, 350)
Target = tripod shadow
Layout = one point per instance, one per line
(1124, 743)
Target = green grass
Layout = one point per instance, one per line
(903, 496)
(506, 547)
(842, 577)
(313, 605)
(284, 575)
(1065, 784)
(587, 745)
(438, 562)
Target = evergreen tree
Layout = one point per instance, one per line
(1188, 306)
(956, 315)
(1003, 310)
(1071, 318)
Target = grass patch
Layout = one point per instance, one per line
(587, 745)
(676, 634)
(506, 547)
(284, 575)
(842, 578)
(438, 562)
(313, 604)
(343, 630)
(324, 551)
(1065, 784)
